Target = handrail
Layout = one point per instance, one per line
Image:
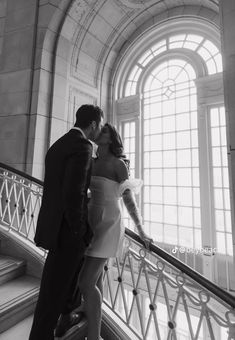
(21, 173)
(203, 281)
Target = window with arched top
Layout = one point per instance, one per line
(170, 110)
(203, 47)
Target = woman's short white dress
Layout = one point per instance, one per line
(105, 215)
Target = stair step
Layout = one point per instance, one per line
(17, 300)
(10, 268)
(18, 332)
(21, 330)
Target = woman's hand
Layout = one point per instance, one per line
(145, 238)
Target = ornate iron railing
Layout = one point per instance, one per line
(20, 201)
(153, 294)
(159, 297)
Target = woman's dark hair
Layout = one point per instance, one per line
(88, 113)
(116, 146)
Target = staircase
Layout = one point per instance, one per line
(147, 294)
(18, 295)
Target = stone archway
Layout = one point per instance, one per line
(79, 42)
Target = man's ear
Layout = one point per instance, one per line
(93, 125)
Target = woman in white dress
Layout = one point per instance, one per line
(109, 183)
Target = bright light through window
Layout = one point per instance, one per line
(170, 151)
(222, 209)
(203, 47)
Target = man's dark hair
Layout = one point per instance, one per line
(86, 114)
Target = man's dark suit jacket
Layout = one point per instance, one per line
(67, 177)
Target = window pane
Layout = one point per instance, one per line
(215, 136)
(218, 62)
(127, 144)
(197, 217)
(168, 107)
(146, 127)
(184, 177)
(146, 177)
(226, 199)
(214, 115)
(219, 220)
(229, 244)
(218, 198)
(211, 66)
(156, 194)
(156, 142)
(184, 158)
(198, 241)
(146, 144)
(156, 213)
(169, 176)
(146, 194)
(210, 47)
(170, 214)
(204, 53)
(156, 159)
(168, 124)
(186, 236)
(185, 196)
(156, 231)
(170, 234)
(182, 122)
(185, 216)
(216, 156)
(169, 141)
(224, 156)
(217, 177)
(146, 160)
(195, 160)
(193, 117)
(156, 176)
(126, 130)
(196, 197)
(170, 196)
(132, 129)
(169, 159)
(221, 247)
(182, 104)
(223, 136)
(147, 211)
(194, 139)
(228, 221)
(183, 139)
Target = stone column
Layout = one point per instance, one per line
(17, 39)
(227, 14)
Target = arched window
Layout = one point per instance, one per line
(169, 98)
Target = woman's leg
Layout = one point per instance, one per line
(99, 284)
(88, 277)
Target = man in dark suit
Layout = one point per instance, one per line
(62, 225)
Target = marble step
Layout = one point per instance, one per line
(17, 300)
(21, 331)
(18, 332)
(10, 268)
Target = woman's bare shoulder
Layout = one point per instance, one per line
(121, 170)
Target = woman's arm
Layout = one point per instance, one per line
(130, 203)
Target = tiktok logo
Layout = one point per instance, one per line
(174, 250)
